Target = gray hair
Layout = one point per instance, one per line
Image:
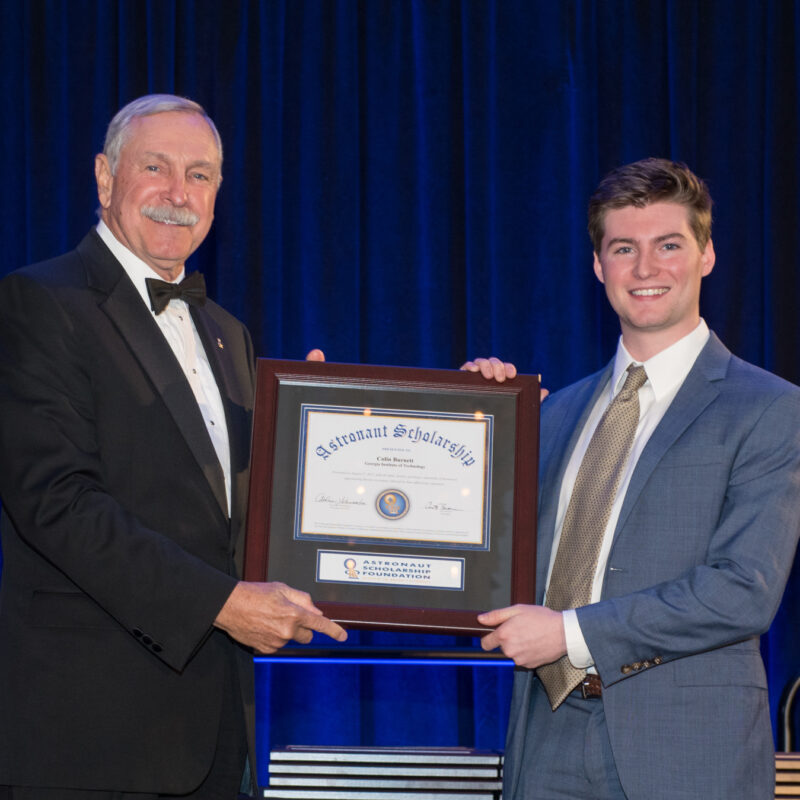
(119, 127)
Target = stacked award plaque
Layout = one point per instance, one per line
(384, 773)
(787, 776)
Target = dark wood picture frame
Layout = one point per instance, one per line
(509, 565)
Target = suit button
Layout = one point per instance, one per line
(156, 648)
(137, 633)
(626, 668)
(637, 665)
(657, 660)
(147, 640)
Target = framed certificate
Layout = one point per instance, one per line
(399, 498)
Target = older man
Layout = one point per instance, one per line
(125, 404)
(669, 516)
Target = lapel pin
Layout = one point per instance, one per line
(220, 345)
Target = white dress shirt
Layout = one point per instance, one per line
(666, 373)
(176, 323)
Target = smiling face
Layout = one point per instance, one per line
(652, 266)
(160, 202)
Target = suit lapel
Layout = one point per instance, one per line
(694, 396)
(122, 304)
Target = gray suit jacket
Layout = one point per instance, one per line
(700, 557)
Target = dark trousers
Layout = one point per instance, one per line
(221, 783)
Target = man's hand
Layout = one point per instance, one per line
(495, 369)
(491, 368)
(265, 616)
(529, 635)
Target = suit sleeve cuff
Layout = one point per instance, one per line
(577, 649)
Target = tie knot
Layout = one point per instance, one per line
(635, 380)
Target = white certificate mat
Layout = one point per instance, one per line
(383, 476)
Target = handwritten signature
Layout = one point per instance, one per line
(340, 501)
(441, 507)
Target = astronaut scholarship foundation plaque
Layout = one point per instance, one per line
(400, 499)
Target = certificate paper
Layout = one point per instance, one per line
(384, 476)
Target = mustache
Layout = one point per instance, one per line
(170, 215)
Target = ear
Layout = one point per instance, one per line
(104, 179)
(708, 258)
(598, 268)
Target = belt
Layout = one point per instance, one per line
(590, 686)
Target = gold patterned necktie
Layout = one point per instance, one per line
(586, 519)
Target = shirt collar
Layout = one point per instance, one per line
(136, 269)
(666, 369)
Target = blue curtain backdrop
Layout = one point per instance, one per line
(406, 183)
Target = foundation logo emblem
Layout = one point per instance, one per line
(350, 568)
(392, 504)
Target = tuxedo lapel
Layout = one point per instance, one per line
(120, 301)
(219, 354)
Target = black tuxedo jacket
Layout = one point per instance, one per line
(118, 552)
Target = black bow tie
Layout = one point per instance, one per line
(192, 290)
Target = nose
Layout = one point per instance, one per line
(645, 266)
(175, 190)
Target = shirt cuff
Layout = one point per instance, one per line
(577, 649)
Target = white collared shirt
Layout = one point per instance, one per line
(176, 323)
(666, 373)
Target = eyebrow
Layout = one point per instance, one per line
(657, 240)
(155, 154)
(192, 165)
